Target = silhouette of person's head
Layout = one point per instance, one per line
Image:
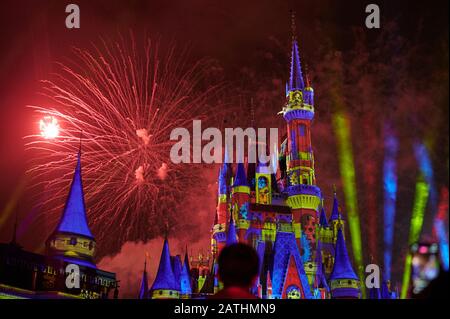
(238, 266)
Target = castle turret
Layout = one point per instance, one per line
(185, 278)
(343, 280)
(231, 234)
(323, 222)
(336, 220)
(165, 285)
(143, 292)
(72, 240)
(304, 197)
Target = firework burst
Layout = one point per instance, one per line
(125, 101)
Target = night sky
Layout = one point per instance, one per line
(397, 74)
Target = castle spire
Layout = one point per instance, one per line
(143, 292)
(72, 239)
(74, 220)
(185, 277)
(335, 214)
(296, 77)
(165, 285)
(342, 268)
(231, 234)
(186, 261)
(241, 178)
(323, 218)
(343, 272)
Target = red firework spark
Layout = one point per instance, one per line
(125, 101)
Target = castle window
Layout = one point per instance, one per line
(73, 241)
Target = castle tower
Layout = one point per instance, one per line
(72, 240)
(336, 219)
(185, 278)
(344, 283)
(304, 197)
(165, 285)
(143, 292)
(231, 234)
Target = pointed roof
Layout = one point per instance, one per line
(385, 294)
(296, 76)
(241, 178)
(74, 218)
(223, 187)
(185, 278)
(286, 246)
(342, 268)
(335, 214)
(186, 261)
(323, 218)
(176, 267)
(231, 234)
(165, 278)
(143, 292)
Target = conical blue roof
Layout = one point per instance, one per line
(143, 292)
(323, 218)
(296, 76)
(231, 234)
(186, 261)
(165, 278)
(185, 278)
(74, 218)
(335, 214)
(385, 294)
(176, 267)
(342, 268)
(225, 174)
(241, 178)
(223, 187)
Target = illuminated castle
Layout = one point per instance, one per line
(25, 274)
(302, 251)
